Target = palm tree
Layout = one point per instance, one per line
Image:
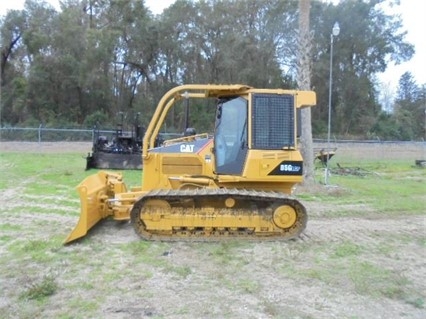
(304, 83)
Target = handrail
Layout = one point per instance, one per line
(183, 92)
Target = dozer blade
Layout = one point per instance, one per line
(93, 191)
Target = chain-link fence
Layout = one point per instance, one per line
(44, 134)
(345, 149)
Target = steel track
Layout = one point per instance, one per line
(255, 203)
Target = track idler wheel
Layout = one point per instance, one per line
(284, 216)
(291, 217)
(153, 211)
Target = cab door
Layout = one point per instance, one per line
(230, 138)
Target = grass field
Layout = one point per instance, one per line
(363, 254)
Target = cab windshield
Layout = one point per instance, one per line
(230, 132)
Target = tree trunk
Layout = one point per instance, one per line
(304, 83)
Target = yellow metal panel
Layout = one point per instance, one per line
(175, 164)
(305, 99)
(151, 177)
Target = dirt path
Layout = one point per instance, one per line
(319, 275)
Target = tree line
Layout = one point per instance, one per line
(91, 60)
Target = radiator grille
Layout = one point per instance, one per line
(273, 121)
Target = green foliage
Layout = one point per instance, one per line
(407, 90)
(248, 285)
(42, 289)
(354, 97)
(347, 249)
(407, 119)
(417, 302)
(97, 118)
(83, 66)
(385, 128)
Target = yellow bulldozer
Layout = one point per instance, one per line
(233, 183)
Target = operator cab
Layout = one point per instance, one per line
(271, 126)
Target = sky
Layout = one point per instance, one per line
(414, 22)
